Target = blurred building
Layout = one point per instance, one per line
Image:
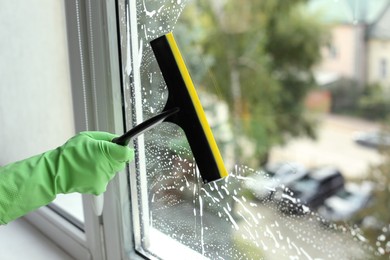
(378, 42)
(359, 44)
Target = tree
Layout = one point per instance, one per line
(260, 54)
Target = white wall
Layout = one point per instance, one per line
(36, 111)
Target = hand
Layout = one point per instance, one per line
(88, 161)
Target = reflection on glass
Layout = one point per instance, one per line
(292, 83)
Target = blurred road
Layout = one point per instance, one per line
(334, 146)
(287, 237)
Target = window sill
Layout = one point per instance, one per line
(20, 240)
(162, 245)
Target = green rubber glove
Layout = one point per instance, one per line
(85, 164)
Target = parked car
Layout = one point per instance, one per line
(375, 139)
(274, 178)
(347, 202)
(310, 191)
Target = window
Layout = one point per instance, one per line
(333, 53)
(248, 66)
(252, 66)
(383, 68)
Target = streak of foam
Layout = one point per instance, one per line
(236, 227)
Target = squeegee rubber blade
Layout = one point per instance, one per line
(191, 117)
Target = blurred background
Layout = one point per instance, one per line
(297, 93)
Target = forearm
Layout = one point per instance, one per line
(27, 185)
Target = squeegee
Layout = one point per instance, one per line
(184, 109)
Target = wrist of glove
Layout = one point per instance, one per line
(85, 164)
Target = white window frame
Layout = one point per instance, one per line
(97, 97)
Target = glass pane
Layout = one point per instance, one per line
(297, 95)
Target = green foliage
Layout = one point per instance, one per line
(370, 102)
(258, 56)
(345, 96)
(374, 103)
